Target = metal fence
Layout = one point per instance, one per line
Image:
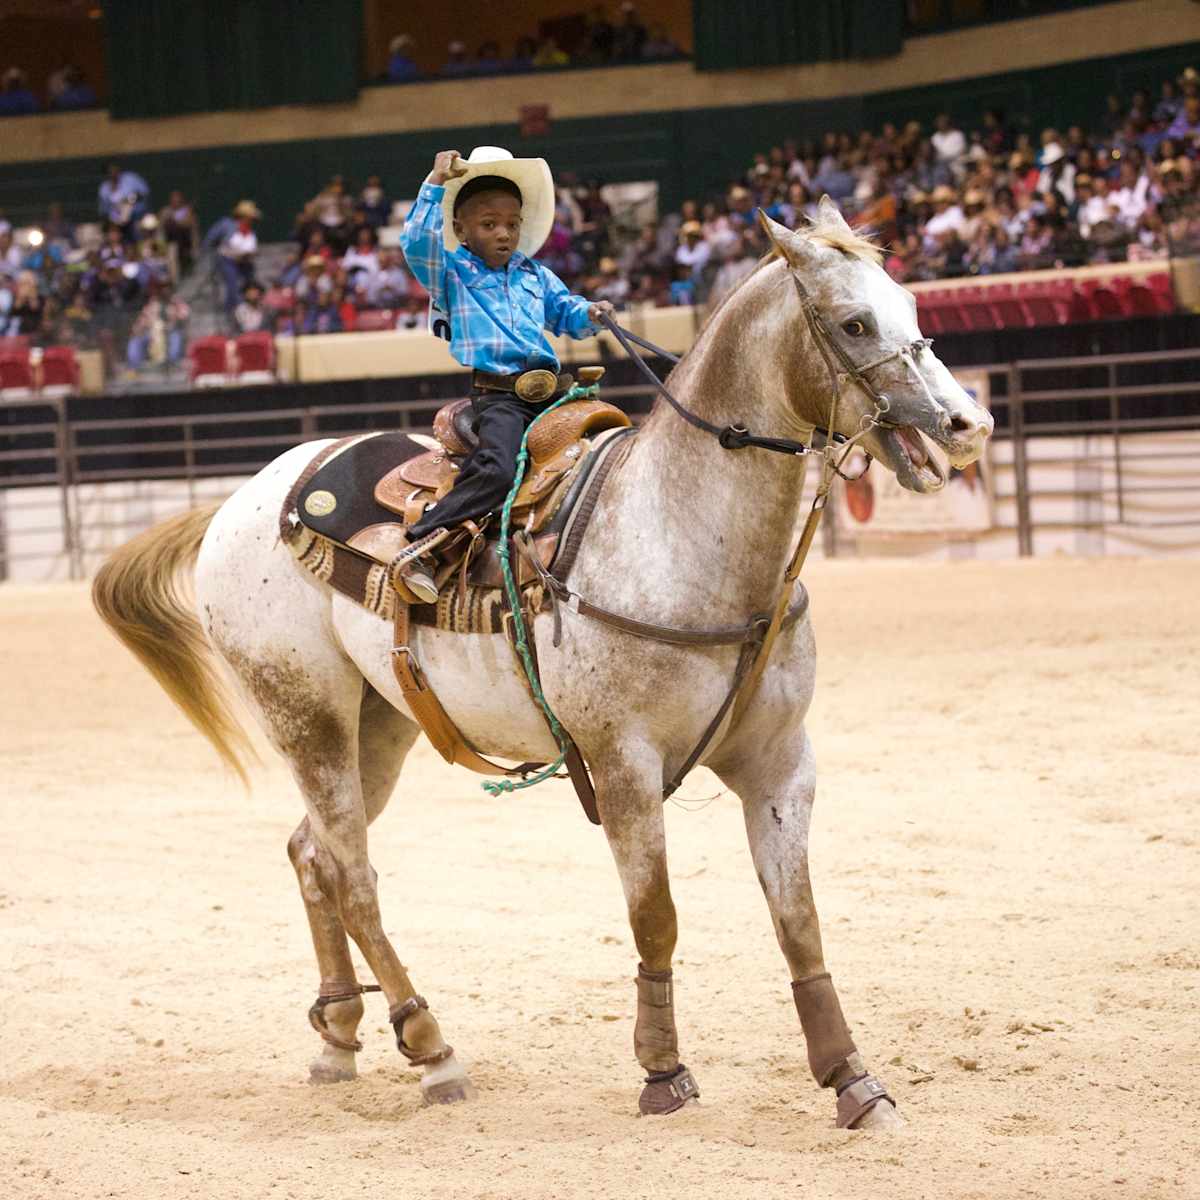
(1048, 404)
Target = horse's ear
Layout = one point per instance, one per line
(799, 251)
(830, 213)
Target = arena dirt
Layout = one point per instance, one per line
(1005, 856)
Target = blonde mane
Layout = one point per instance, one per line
(836, 235)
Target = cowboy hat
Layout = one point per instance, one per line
(531, 175)
(1052, 154)
(943, 194)
(247, 209)
(691, 229)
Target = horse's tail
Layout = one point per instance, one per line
(136, 594)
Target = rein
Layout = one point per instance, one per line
(757, 636)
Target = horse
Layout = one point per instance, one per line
(688, 532)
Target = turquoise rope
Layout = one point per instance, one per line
(496, 787)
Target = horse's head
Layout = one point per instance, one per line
(874, 342)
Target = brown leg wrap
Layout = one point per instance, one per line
(398, 1016)
(825, 1031)
(654, 1039)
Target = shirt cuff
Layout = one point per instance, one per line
(432, 191)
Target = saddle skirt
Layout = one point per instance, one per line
(346, 516)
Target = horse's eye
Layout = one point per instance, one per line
(855, 328)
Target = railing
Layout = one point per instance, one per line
(1043, 408)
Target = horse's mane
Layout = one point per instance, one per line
(839, 237)
(831, 233)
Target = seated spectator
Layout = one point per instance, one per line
(112, 249)
(16, 100)
(659, 45)
(949, 142)
(72, 91)
(1130, 198)
(159, 333)
(524, 54)
(694, 251)
(737, 263)
(1186, 125)
(488, 61)
(1036, 245)
(401, 68)
(180, 229)
(250, 316)
(361, 256)
(1058, 172)
(457, 63)
(598, 39)
(373, 204)
(123, 199)
(947, 216)
(315, 285)
(683, 286)
(629, 38)
(643, 253)
(27, 308)
(549, 54)
(390, 286)
(333, 210)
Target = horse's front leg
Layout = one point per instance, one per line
(776, 785)
(629, 799)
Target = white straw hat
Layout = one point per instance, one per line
(531, 175)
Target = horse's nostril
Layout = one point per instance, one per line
(959, 425)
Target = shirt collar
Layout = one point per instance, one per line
(518, 262)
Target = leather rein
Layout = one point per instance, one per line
(758, 636)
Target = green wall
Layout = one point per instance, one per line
(690, 153)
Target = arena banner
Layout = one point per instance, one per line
(877, 504)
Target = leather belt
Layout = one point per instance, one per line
(534, 387)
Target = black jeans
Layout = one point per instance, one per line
(488, 472)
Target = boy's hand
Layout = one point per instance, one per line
(597, 307)
(447, 164)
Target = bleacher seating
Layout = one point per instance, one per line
(59, 374)
(1017, 302)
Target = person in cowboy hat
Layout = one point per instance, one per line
(469, 240)
(234, 244)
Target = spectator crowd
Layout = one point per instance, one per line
(67, 89)
(596, 41)
(944, 202)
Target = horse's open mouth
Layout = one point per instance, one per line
(914, 458)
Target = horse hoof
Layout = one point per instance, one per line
(882, 1117)
(334, 1066)
(668, 1092)
(446, 1083)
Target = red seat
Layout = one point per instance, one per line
(944, 303)
(1149, 297)
(1105, 297)
(254, 354)
(1006, 304)
(60, 370)
(976, 308)
(372, 320)
(17, 344)
(210, 360)
(1046, 303)
(16, 374)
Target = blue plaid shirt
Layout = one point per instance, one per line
(496, 314)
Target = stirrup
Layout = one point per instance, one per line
(419, 580)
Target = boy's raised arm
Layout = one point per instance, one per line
(421, 238)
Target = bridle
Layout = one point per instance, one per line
(834, 447)
(759, 635)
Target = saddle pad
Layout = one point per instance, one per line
(339, 501)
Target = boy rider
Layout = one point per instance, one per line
(499, 300)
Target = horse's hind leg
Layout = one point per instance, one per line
(384, 739)
(311, 708)
(776, 785)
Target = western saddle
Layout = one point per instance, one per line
(346, 519)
